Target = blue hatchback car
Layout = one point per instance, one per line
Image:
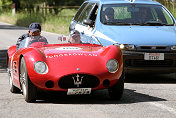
(145, 30)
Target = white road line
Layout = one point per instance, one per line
(164, 107)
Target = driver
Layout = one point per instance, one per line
(34, 30)
(109, 14)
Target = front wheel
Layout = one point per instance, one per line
(13, 88)
(116, 91)
(28, 88)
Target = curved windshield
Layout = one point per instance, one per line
(135, 14)
(73, 39)
(37, 40)
(78, 39)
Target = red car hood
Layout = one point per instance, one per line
(68, 59)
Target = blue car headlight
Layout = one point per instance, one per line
(173, 47)
(112, 65)
(40, 67)
(126, 46)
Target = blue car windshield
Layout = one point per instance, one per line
(135, 14)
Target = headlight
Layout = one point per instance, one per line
(173, 47)
(40, 67)
(126, 46)
(112, 66)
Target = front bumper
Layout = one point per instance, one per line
(134, 62)
(76, 80)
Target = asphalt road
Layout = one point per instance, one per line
(145, 96)
(10, 33)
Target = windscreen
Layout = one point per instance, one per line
(34, 40)
(72, 39)
(79, 39)
(135, 14)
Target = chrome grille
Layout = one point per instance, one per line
(78, 81)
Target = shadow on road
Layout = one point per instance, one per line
(98, 97)
(151, 78)
(12, 27)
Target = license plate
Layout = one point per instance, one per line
(154, 56)
(78, 91)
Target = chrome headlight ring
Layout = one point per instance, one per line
(112, 65)
(41, 67)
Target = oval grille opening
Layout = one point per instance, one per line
(78, 81)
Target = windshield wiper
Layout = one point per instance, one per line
(153, 23)
(117, 23)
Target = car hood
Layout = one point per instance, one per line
(69, 50)
(138, 35)
(77, 58)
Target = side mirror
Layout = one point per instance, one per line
(88, 22)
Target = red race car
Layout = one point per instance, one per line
(76, 68)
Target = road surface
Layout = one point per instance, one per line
(145, 96)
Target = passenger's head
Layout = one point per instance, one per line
(34, 29)
(109, 13)
(143, 13)
(75, 37)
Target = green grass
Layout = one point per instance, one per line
(51, 23)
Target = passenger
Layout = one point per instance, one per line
(143, 13)
(109, 14)
(34, 30)
(75, 37)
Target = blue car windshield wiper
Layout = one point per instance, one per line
(154, 23)
(117, 23)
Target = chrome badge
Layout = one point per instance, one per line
(78, 69)
(77, 80)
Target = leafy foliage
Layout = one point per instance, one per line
(29, 4)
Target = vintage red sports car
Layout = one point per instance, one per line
(73, 68)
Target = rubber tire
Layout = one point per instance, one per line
(13, 89)
(28, 88)
(116, 91)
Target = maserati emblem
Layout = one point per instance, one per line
(77, 80)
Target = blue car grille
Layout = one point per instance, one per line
(78, 81)
(151, 63)
(154, 48)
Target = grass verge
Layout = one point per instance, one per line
(51, 23)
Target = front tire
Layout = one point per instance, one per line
(28, 88)
(13, 88)
(116, 91)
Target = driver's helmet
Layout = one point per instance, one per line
(74, 32)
